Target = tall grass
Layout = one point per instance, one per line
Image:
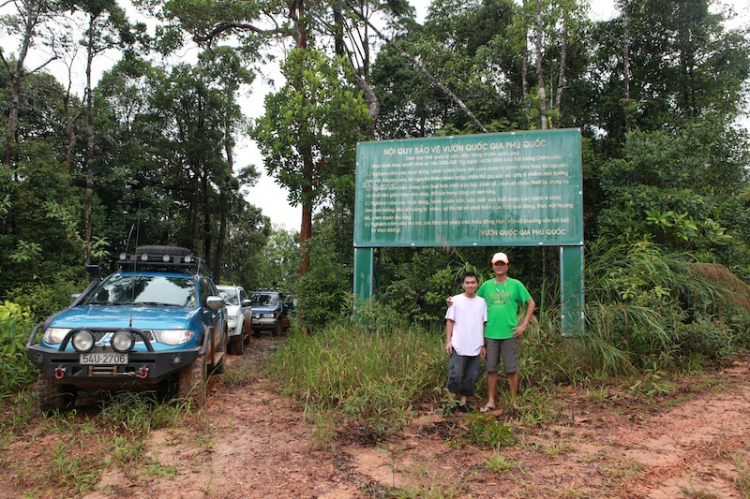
(645, 307)
(368, 374)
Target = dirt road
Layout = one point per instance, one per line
(601, 445)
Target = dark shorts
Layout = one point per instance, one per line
(509, 349)
(463, 372)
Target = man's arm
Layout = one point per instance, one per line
(449, 334)
(530, 307)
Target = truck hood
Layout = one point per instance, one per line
(136, 316)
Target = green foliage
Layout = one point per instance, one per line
(377, 407)
(277, 264)
(644, 305)
(135, 413)
(310, 127)
(326, 288)
(16, 371)
(500, 464)
(45, 298)
(417, 283)
(677, 199)
(484, 430)
(369, 376)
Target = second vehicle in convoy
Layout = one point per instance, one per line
(240, 313)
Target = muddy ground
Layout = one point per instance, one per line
(695, 444)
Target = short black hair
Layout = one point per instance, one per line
(469, 274)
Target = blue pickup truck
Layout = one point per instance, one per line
(155, 324)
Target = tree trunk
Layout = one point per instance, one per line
(89, 147)
(206, 219)
(305, 232)
(626, 67)
(219, 255)
(539, 67)
(561, 77)
(223, 206)
(10, 141)
(525, 62)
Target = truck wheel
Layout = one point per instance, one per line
(52, 397)
(237, 347)
(279, 330)
(191, 383)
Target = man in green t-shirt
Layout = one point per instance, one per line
(504, 296)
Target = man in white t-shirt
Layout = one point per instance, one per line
(465, 322)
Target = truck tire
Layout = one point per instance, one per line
(157, 250)
(52, 397)
(279, 329)
(191, 382)
(237, 347)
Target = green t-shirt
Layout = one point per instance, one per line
(503, 301)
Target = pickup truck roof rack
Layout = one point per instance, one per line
(160, 263)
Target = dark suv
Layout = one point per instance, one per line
(269, 311)
(157, 323)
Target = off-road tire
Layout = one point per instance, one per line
(157, 250)
(237, 347)
(52, 397)
(191, 382)
(279, 329)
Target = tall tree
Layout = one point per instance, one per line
(31, 16)
(309, 131)
(106, 28)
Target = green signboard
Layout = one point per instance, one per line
(511, 189)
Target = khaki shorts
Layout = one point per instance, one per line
(510, 350)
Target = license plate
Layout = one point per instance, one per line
(104, 358)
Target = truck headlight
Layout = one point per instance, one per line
(173, 336)
(123, 341)
(83, 341)
(55, 335)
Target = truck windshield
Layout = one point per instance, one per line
(146, 290)
(265, 300)
(229, 296)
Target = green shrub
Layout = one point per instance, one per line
(44, 299)
(16, 371)
(711, 339)
(485, 431)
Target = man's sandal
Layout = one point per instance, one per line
(487, 408)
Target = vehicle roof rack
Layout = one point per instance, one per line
(160, 263)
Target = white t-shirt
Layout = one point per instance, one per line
(468, 316)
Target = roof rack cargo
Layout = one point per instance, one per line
(164, 263)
